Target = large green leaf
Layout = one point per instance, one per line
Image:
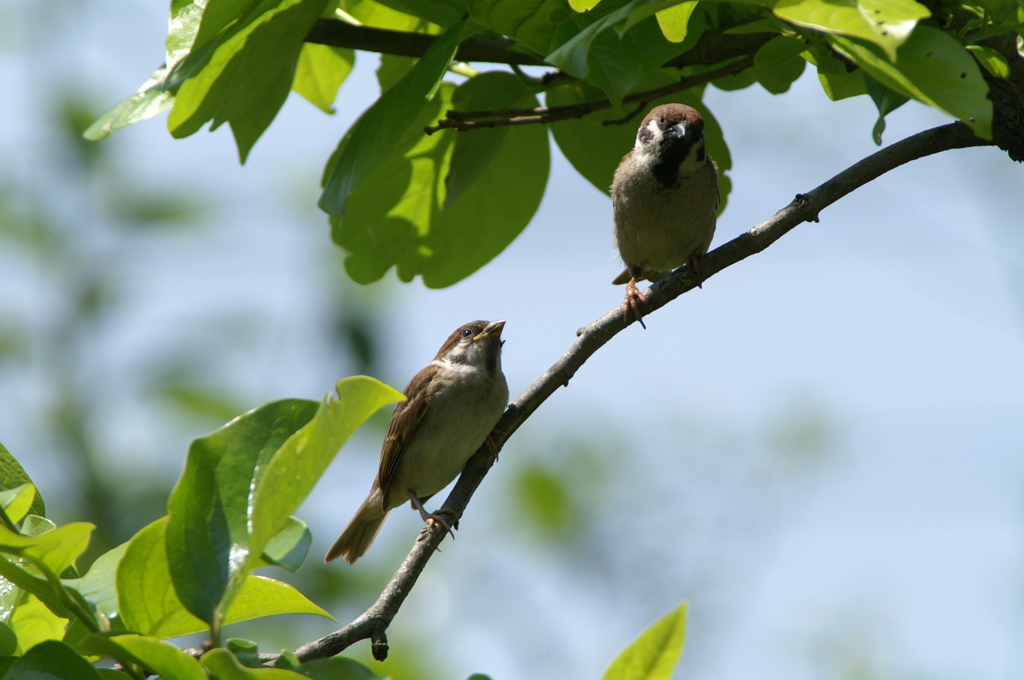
(320, 72)
(209, 508)
(149, 604)
(398, 217)
(374, 136)
(13, 475)
(653, 655)
(302, 459)
(886, 23)
(248, 76)
(595, 149)
(99, 585)
(33, 623)
(150, 653)
(932, 67)
(51, 660)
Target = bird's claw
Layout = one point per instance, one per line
(633, 299)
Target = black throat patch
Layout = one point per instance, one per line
(672, 154)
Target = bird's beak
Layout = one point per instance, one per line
(492, 329)
(677, 131)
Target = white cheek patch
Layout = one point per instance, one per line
(655, 131)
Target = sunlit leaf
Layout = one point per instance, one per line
(320, 72)
(153, 654)
(150, 605)
(18, 501)
(248, 76)
(13, 475)
(209, 508)
(886, 23)
(653, 655)
(993, 61)
(33, 622)
(372, 138)
(397, 219)
(933, 68)
(675, 20)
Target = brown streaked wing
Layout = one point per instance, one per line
(404, 420)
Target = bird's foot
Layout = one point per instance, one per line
(432, 518)
(694, 262)
(633, 299)
(492, 446)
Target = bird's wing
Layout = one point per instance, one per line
(404, 420)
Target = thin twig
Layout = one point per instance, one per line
(804, 208)
(469, 120)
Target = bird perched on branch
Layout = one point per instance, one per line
(450, 409)
(664, 199)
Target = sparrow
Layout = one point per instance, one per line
(664, 199)
(451, 406)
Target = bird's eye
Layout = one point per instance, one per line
(467, 332)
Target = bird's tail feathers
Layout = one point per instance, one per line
(358, 536)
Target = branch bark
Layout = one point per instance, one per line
(374, 621)
(712, 47)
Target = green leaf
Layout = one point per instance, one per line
(24, 581)
(18, 501)
(99, 585)
(541, 26)
(247, 77)
(111, 674)
(336, 668)
(648, 9)
(302, 459)
(933, 68)
(778, 79)
(779, 50)
(994, 62)
(223, 665)
(583, 5)
(289, 546)
(595, 149)
(13, 475)
(162, 658)
(396, 218)
(55, 550)
(8, 640)
(208, 534)
(544, 499)
(474, 152)
(320, 72)
(51, 660)
(157, 93)
(836, 80)
(886, 100)
(653, 655)
(886, 23)
(149, 604)
(260, 596)
(674, 21)
(34, 623)
(616, 63)
(374, 136)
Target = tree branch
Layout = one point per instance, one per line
(804, 208)
(712, 47)
(469, 120)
